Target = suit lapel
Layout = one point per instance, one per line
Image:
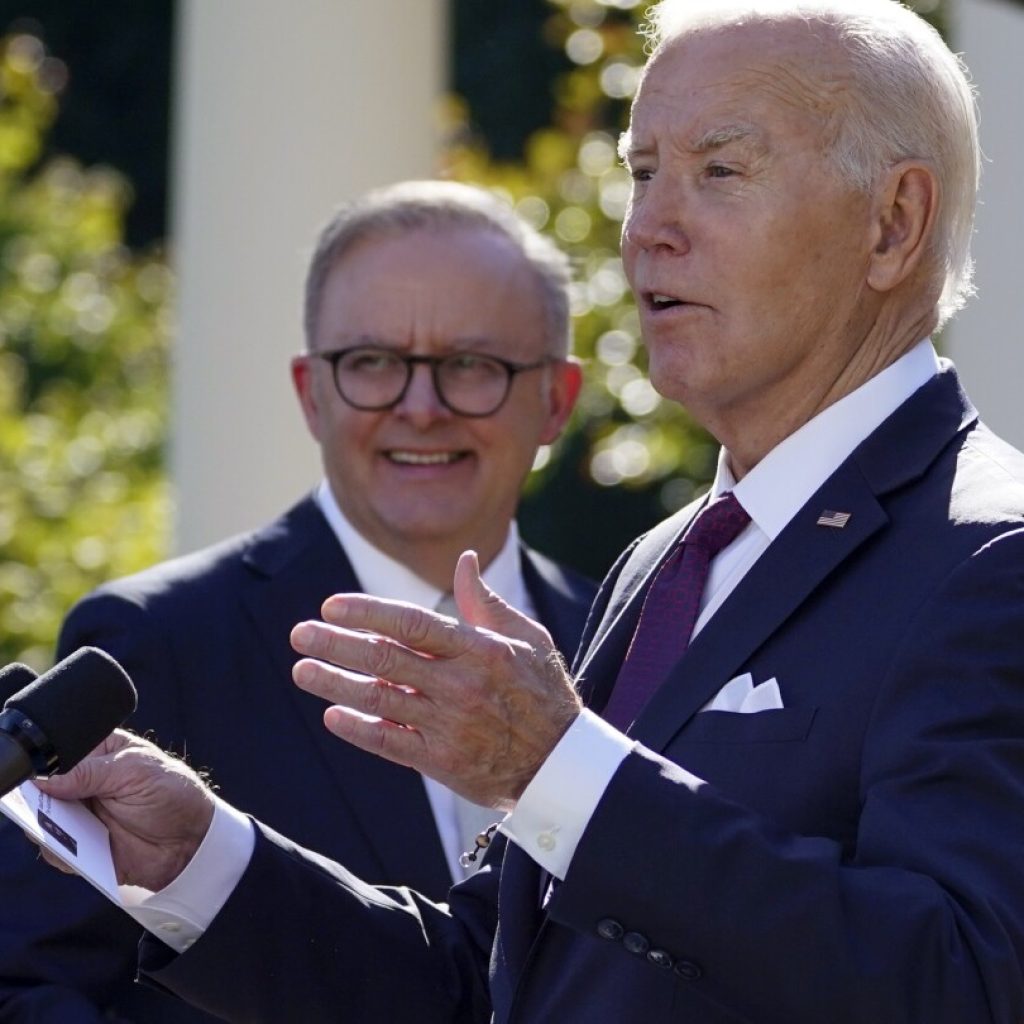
(295, 566)
(559, 604)
(600, 664)
(800, 559)
(788, 572)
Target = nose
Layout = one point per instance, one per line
(654, 219)
(421, 405)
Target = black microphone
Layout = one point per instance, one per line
(51, 723)
(14, 677)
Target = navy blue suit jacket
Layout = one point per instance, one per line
(206, 639)
(854, 858)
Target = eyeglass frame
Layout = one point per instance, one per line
(512, 370)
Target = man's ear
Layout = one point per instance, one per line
(305, 388)
(563, 387)
(904, 223)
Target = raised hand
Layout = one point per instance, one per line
(156, 808)
(477, 705)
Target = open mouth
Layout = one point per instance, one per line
(658, 301)
(408, 458)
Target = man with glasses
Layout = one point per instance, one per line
(436, 362)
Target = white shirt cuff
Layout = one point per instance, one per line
(560, 800)
(179, 913)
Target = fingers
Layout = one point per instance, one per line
(90, 778)
(481, 606)
(374, 697)
(53, 860)
(401, 628)
(415, 628)
(49, 858)
(477, 704)
(478, 604)
(117, 740)
(371, 656)
(92, 775)
(386, 739)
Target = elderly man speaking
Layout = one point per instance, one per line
(803, 800)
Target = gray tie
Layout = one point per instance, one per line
(470, 819)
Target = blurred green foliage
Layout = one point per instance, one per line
(83, 365)
(629, 457)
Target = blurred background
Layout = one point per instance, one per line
(164, 168)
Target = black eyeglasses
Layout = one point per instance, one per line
(373, 378)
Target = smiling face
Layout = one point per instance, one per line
(419, 481)
(748, 256)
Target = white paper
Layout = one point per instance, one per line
(68, 830)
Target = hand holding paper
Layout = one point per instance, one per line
(156, 809)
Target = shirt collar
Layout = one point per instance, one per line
(380, 575)
(786, 478)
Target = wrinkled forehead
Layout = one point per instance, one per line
(788, 69)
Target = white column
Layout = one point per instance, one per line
(282, 111)
(986, 340)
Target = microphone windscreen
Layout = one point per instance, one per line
(77, 703)
(14, 678)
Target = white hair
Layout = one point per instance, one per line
(912, 99)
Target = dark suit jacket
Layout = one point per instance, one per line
(857, 856)
(206, 639)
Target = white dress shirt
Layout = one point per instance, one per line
(553, 812)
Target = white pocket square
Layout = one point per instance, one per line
(740, 696)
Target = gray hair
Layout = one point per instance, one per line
(438, 206)
(913, 99)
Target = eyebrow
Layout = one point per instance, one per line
(706, 142)
(625, 145)
(722, 135)
(477, 344)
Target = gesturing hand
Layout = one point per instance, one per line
(477, 706)
(156, 809)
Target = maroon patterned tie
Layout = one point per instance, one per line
(670, 608)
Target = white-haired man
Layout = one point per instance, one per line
(805, 799)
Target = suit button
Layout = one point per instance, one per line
(636, 943)
(609, 928)
(688, 970)
(659, 958)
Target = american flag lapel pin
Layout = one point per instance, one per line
(837, 520)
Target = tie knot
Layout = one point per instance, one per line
(718, 525)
